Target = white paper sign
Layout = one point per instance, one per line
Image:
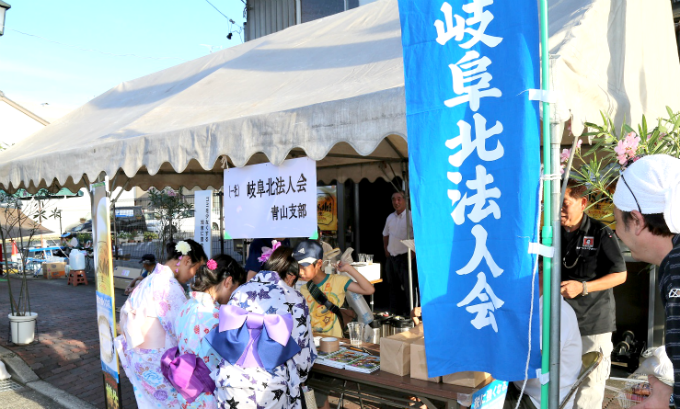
(270, 201)
(203, 219)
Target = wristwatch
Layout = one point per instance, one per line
(585, 288)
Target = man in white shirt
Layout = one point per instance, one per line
(398, 227)
(570, 358)
(70, 240)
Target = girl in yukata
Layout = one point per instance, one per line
(265, 338)
(147, 325)
(214, 285)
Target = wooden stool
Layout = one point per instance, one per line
(76, 277)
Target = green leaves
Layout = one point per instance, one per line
(600, 168)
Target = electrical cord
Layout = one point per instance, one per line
(94, 50)
(533, 293)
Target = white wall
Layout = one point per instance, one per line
(74, 208)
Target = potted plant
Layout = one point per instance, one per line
(612, 150)
(150, 236)
(19, 225)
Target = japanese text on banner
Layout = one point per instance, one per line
(474, 167)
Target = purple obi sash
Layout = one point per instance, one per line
(187, 373)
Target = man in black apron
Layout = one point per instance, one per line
(592, 265)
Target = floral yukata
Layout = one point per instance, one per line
(197, 318)
(255, 387)
(161, 296)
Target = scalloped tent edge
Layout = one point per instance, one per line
(331, 89)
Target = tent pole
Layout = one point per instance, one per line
(404, 169)
(556, 279)
(547, 232)
(221, 196)
(357, 224)
(340, 209)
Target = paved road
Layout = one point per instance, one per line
(67, 355)
(26, 398)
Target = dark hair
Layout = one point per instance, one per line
(196, 253)
(654, 222)
(170, 248)
(576, 189)
(226, 267)
(282, 262)
(401, 192)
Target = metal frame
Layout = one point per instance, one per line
(377, 393)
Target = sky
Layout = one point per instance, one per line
(71, 51)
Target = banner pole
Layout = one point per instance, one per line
(547, 231)
(555, 296)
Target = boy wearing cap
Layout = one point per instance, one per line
(324, 313)
(148, 263)
(647, 213)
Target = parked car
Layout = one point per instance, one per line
(152, 224)
(128, 219)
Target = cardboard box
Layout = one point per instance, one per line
(395, 352)
(467, 378)
(123, 276)
(53, 270)
(418, 362)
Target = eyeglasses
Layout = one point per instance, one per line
(631, 192)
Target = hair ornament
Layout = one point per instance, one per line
(211, 264)
(267, 252)
(183, 247)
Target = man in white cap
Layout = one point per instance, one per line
(647, 213)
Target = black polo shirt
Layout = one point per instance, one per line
(589, 253)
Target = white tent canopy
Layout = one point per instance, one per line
(331, 89)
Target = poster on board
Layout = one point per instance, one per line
(203, 219)
(270, 201)
(327, 208)
(106, 323)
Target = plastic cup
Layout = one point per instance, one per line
(362, 257)
(369, 259)
(356, 333)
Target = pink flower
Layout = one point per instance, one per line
(633, 141)
(627, 148)
(578, 144)
(564, 157)
(172, 193)
(211, 264)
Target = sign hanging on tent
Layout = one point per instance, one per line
(474, 166)
(327, 208)
(270, 201)
(203, 220)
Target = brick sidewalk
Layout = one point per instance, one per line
(67, 355)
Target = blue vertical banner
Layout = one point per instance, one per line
(473, 140)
